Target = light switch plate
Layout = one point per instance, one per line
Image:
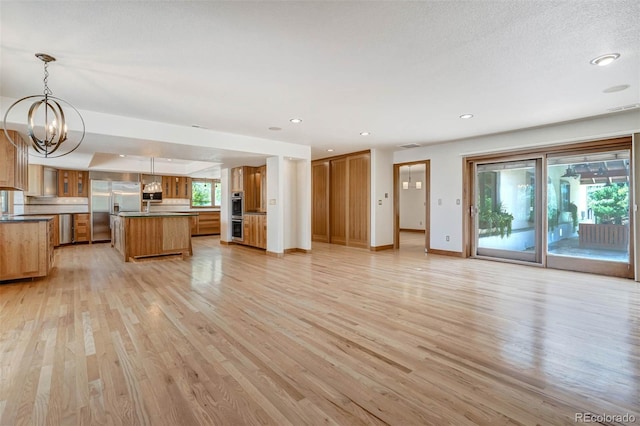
(272, 201)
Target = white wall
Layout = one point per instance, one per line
(303, 179)
(225, 207)
(275, 204)
(413, 209)
(447, 163)
(297, 204)
(381, 197)
(290, 204)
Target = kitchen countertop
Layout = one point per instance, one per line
(154, 214)
(258, 213)
(13, 218)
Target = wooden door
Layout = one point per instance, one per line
(358, 205)
(338, 201)
(320, 201)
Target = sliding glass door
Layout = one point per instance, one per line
(588, 212)
(507, 213)
(564, 210)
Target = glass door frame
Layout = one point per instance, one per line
(625, 270)
(535, 259)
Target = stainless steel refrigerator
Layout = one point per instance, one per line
(111, 197)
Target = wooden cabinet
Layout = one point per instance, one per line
(35, 188)
(338, 201)
(320, 201)
(82, 184)
(176, 187)
(255, 230)
(31, 253)
(56, 230)
(14, 161)
(252, 181)
(237, 179)
(208, 223)
(262, 190)
(73, 183)
(341, 200)
(148, 235)
(81, 227)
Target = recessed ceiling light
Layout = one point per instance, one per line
(465, 116)
(296, 120)
(605, 60)
(122, 155)
(614, 89)
(330, 150)
(275, 129)
(364, 133)
(169, 159)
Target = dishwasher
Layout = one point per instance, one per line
(66, 228)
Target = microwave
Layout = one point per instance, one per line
(152, 196)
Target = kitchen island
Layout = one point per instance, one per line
(140, 235)
(26, 246)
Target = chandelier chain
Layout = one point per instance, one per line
(47, 91)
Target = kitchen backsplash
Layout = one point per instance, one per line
(48, 205)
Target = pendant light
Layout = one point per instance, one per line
(47, 122)
(155, 186)
(407, 184)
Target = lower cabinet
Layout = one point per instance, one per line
(81, 228)
(56, 230)
(255, 230)
(31, 253)
(206, 223)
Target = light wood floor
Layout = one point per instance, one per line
(340, 336)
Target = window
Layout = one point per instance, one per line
(206, 193)
(4, 202)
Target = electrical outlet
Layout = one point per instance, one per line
(379, 202)
(446, 238)
(457, 201)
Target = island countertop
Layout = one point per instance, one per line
(154, 214)
(12, 218)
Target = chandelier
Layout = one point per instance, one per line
(155, 186)
(47, 124)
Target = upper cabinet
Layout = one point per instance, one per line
(14, 161)
(73, 183)
(237, 181)
(176, 187)
(252, 181)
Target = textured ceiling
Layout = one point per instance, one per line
(403, 71)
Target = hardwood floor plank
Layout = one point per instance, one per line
(338, 336)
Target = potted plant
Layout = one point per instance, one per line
(494, 221)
